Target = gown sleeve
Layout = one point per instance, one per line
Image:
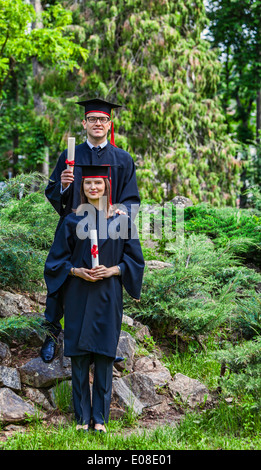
(53, 189)
(58, 263)
(132, 263)
(130, 194)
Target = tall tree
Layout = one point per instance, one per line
(235, 28)
(21, 48)
(150, 57)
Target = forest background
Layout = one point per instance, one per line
(188, 80)
(187, 75)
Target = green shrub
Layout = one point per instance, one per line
(243, 361)
(19, 328)
(205, 289)
(27, 227)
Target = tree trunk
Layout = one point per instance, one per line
(258, 116)
(37, 70)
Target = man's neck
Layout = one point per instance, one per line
(96, 142)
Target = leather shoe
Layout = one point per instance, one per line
(48, 349)
(118, 359)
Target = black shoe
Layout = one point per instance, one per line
(48, 349)
(118, 359)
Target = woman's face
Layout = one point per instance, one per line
(93, 188)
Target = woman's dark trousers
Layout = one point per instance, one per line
(97, 407)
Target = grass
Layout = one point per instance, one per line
(208, 296)
(228, 427)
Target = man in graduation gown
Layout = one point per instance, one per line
(63, 190)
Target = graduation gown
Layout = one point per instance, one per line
(124, 188)
(93, 310)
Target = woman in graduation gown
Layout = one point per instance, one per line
(93, 302)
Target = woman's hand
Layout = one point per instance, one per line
(100, 272)
(85, 274)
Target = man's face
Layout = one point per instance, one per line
(98, 130)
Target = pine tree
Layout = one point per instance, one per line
(150, 57)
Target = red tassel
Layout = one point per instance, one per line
(112, 130)
(110, 187)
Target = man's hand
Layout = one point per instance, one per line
(67, 177)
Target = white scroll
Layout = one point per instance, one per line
(70, 152)
(94, 248)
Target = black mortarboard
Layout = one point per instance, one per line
(97, 105)
(97, 171)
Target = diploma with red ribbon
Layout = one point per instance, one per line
(70, 153)
(94, 248)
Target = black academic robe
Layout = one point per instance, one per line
(93, 310)
(123, 178)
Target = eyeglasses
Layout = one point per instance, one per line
(94, 119)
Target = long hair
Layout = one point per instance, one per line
(84, 199)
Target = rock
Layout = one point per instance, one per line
(126, 348)
(141, 331)
(5, 354)
(32, 338)
(190, 391)
(14, 304)
(156, 264)
(181, 201)
(123, 396)
(10, 377)
(12, 429)
(153, 368)
(38, 397)
(14, 409)
(116, 413)
(142, 387)
(37, 373)
(128, 320)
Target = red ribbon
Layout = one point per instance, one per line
(94, 251)
(69, 162)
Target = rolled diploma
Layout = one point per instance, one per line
(70, 151)
(94, 241)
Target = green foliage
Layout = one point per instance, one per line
(19, 328)
(236, 230)
(235, 33)
(27, 227)
(235, 427)
(200, 293)
(30, 43)
(51, 43)
(63, 396)
(151, 58)
(244, 364)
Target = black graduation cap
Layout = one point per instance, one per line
(97, 171)
(97, 105)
